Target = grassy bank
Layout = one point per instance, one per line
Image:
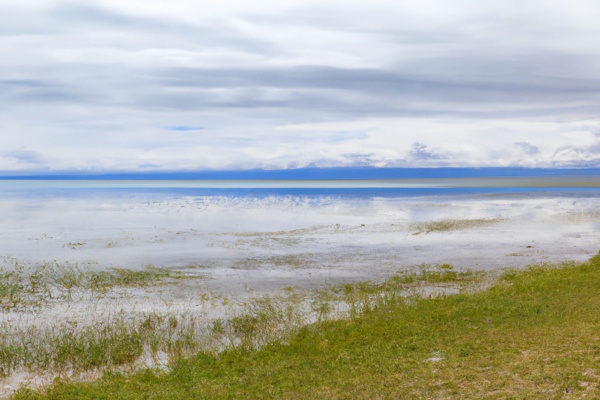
(533, 334)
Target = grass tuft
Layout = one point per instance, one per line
(445, 225)
(24, 286)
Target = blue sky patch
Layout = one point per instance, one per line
(184, 128)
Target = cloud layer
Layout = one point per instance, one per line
(126, 85)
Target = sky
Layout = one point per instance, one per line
(146, 86)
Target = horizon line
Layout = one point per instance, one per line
(311, 173)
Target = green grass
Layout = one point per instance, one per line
(533, 334)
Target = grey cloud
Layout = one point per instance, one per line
(25, 157)
(30, 90)
(360, 159)
(344, 161)
(422, 152)
(80, 13)
(595, 148)
(325, 163)
(23, 83)
(527, 148)
(474, 87)
(162, 30)
(358, 155)
(574, 163)
(577, 156)
(402, 93)
(373, 81)
(579, 150)
(49, 96)
(17, 22)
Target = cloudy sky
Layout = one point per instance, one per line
(132, 85)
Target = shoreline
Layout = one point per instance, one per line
(259, 323)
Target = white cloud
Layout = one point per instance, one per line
(103, 85)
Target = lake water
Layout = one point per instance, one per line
(288, 229)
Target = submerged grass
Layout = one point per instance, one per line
(23, 286)
(451, 225)
(532, 334)
(123, 338)
(115, 341)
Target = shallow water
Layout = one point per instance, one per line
(247, 229)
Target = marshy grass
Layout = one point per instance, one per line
(288, 260)
(23, 286)
(45, 329)
(530, 334)
(114, 340)
(126, 340)
(120, 339)
(445, 225)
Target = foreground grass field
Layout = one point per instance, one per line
(532, 334)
